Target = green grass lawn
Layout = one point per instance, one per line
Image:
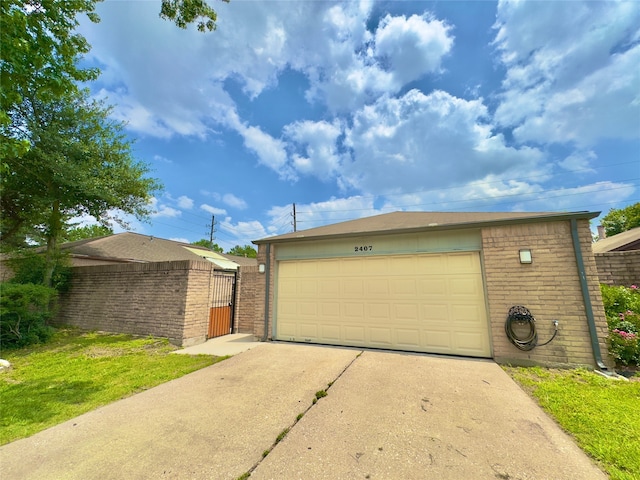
(76, 372)
(603, 415)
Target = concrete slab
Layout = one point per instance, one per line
(212, 424)
(394, 415)
(231, 344)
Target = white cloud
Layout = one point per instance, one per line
(413, 46)
(185, 202)
(270, 151)
(162, 210)
(180, 239)
(572, 71)
(579, 161)
(234, 202)
(318, 143)
(419, 142)
(160, 158)
(243, 231)
(213, 210)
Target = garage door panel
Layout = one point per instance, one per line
(406, 312)
(308, 309)
(353, 311)
(307, 287)
(379, 312)
(308, 330)
(330, 311)
(440, 339)
(354, 335)
(430, 287)
(423, 302)
(400, 286)
(380, 336)
(464, 286)
(331, 332)
(328, 288)
(407, 338)
(377, 286)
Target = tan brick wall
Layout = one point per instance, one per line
(258, 323)
(197, 302)
(619, 268)
(168, 299)
(247, 299)
(549, 287)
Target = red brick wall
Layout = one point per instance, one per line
(549, 287)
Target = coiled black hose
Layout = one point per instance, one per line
(522, 316)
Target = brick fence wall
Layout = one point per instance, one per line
(139, 299)
(619, 268)
(167, 299)
(247, 300)
(549, 287)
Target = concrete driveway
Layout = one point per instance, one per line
(385, 416)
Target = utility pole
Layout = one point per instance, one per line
(295, 226)
(213, 229)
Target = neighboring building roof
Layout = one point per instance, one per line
(629, 240)
(242, 261)
(134, 247)
(403, 222)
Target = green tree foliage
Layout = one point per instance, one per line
(24, 311)
(185, 12)
(79, 163)
(88, 231)
(30, 266)
(246, 251)
(209, 244)
(40, 53)
(620, 220)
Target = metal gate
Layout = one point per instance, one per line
(223, 292)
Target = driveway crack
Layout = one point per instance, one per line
(319, 394)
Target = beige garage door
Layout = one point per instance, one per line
(426, 303)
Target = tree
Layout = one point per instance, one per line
(246, 251)
(78, 163)
(88, 231)
(185, 12)
(209, 244)
(40, 52)
(622, 219)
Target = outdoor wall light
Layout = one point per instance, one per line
(261, 268)
(525, 256)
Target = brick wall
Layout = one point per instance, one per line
(549, 287)
(167, 299)
(247, 299)
(258, 323)
(619, 268)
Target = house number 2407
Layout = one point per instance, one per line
(363, 248)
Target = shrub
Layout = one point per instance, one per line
(622, 308)
(24, 310)
(29, 267)
(624, 347)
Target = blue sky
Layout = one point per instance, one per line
(352, 109)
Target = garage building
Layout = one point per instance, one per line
(438, 283)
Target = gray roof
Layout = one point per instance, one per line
(629, 240)
(134, 247)
(405, 222)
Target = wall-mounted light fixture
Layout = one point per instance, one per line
(261, 268)
(525, 256)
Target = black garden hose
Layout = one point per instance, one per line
(522, 316)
